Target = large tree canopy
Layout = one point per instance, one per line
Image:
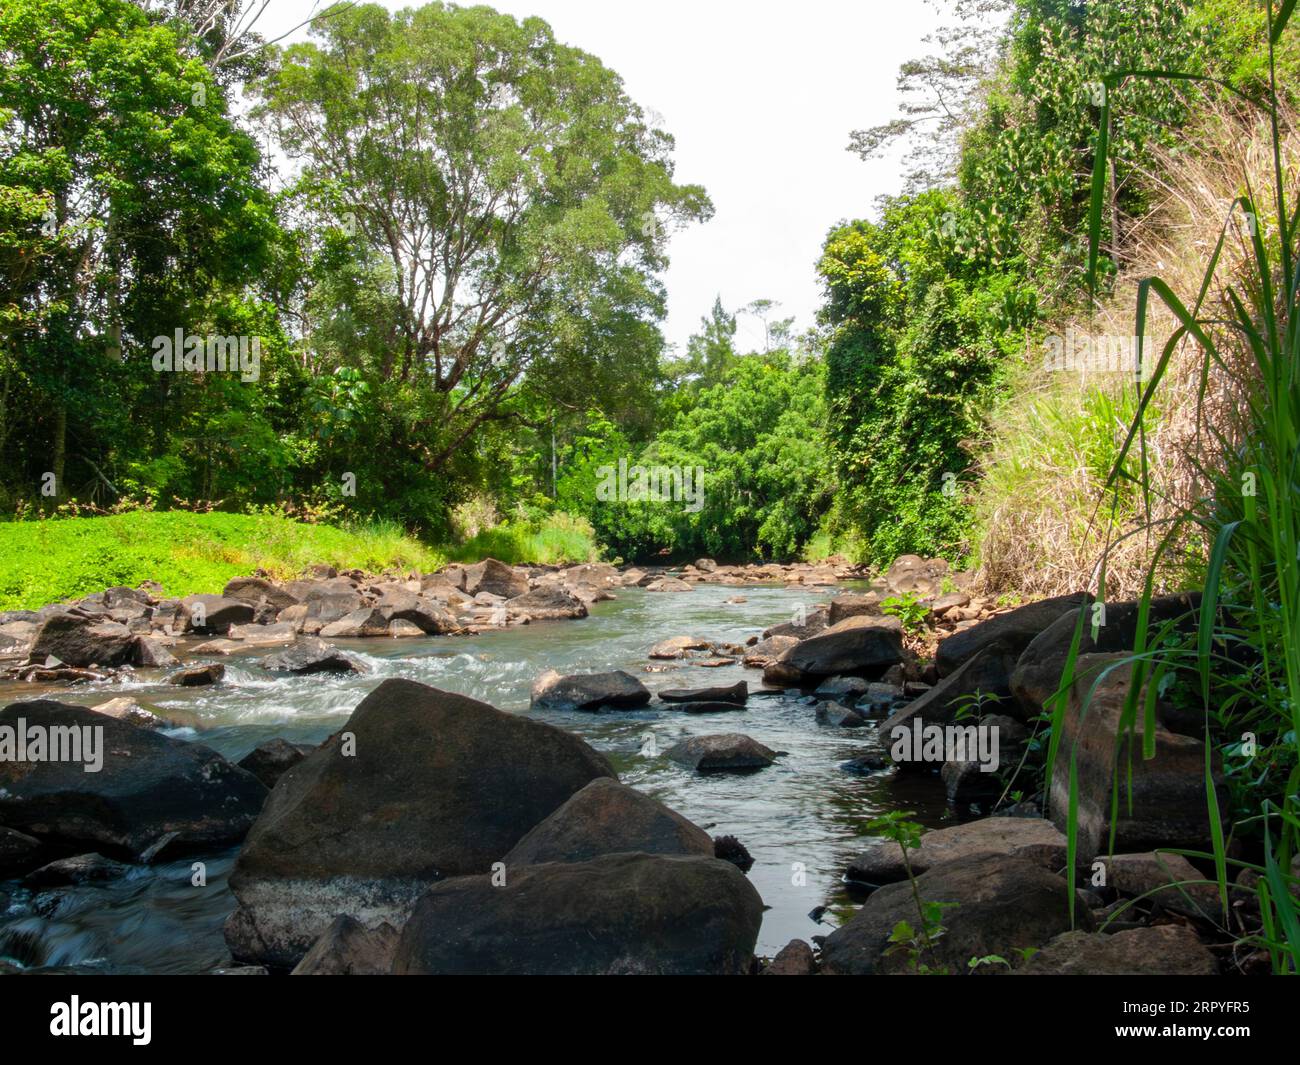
(518, 199)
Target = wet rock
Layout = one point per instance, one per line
(1164, 950)
(588, 691)
(419, 784)
(149, 785)
(865, 650)
(313, 655)
(678, 647)
(269, 761)
(349, 948)
(730, 693)
(668, 584)
(842, 689)
(198, 676)
(721, 752)
(764, 653)
(1014, 630)
(214, 614)
(1162, 801)
(428, 615)
(831, 713)
(866, 764)
(617, 914)
(548, 604)
(607, 817)
(1037, 841)
(149, 653)
(18, 851)
(730, 849)
(81, 869)
(366, 621)
(495, 577)
(794, 959)
(77, 640)
(126, 709)
(1002, 904)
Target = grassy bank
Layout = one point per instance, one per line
(45, 561)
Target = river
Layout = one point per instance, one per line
(801, 819)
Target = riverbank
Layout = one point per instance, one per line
(753, 703)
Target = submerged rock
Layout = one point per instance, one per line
(418, 785)
(616, 914)
(728, 693)
(721, 752)
(313, 655)
(81, 869)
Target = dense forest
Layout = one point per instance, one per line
(465, 334)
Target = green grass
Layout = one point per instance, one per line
(557, 538)
(46, 561)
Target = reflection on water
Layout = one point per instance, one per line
(801, 819)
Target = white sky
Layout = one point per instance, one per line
(761, 97)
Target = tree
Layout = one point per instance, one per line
(516, 194)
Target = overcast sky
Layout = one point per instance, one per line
(761, 97)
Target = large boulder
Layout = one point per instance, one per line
(607, 817)
(362, 622)
(77, 640)
(495, 577)
(1037, 675)
(588, 691)
(149, 785)
(847, 606)
(210, 614)
(1014, 630)
(617, 914)
(1031, 838)
(866, 649)
(431, 616)
(999, 905)
(254, 590)
(1161, 800)
(418, 785)
(1163, 950)
(721, 752)
(548, 603)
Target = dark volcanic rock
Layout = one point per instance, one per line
(829, 713)
(1001, 904)
(863, 650)
(607, 817)
(269, 761)
(729, 751)
(215, 613)
(313, 655)
(253, 590)
(76, 640)
(588, 691)
(617, 914)
(418, 785)
(81, 869)
(18, 851)
(1013, 630)
(149, 785)
(986, 673)
(733, 693)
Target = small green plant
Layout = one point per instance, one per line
(909, 609)
(917, 943)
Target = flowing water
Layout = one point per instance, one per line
(801, 819)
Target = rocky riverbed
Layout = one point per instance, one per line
(587, 769)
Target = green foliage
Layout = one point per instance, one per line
(46, 561)
(556, 538)
(909, 609)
